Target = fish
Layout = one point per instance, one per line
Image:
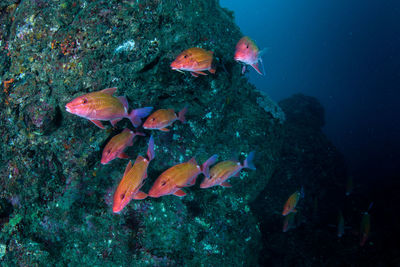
(248, 53)
(288, 222)
(340, 226)
(291, 203)
(365, 226)
(224, 170)
(133, 180)
(116, 146)
(162, 118)
(349, 185)
(196, 60)
(103, 106)
(171, 181)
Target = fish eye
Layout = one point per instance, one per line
(84, 101)
(247, 46)
(163, 183)
(122, 196)
(153, 119)
(185, 56)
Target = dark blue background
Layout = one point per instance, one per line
(345, 53)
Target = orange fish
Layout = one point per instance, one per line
(163, 118)
(182, 175)
(365, 227)
(116, 146)
(291, 203)
(340, 226)
(248, 53)
(133, 180)
(103, 106)
(196, 60)
(224, 170)
(288, 222)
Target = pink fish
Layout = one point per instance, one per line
(133, 180)
(248, 53)
(171, 181)
(116, 146)
(163, 118)
(103, 106)
(224, 170)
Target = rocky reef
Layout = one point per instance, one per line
(56, 196)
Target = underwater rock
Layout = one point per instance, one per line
(305, 111)
(58, 50)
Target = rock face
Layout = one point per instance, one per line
(55, 194)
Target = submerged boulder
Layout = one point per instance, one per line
(50, 161)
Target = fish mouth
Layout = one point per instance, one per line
(67, 108)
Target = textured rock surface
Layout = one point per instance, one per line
(55, 195)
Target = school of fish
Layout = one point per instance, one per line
(104, 106)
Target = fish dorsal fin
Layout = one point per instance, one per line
(128, 167)
(193, 161)
(139, 159)
(127, 130)
(124, 102)
(109, 91)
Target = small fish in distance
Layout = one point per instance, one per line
(291, 203)
(103, 106)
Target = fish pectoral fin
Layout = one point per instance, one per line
(164, 129)
(123, 155)
(140, 195)
(180, 193)
(98, 123)
(200, 72)
(255, 66)
(226, 184)
(113, 122)
(194, 74)
(243, 69)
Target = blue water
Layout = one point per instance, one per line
(345, 53)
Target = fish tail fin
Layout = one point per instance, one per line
(206, 165)
(212, 70)
(150, 149)
(255, 66)
(181, 114)
(248, 162)
(262, 66)
(136, 115)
